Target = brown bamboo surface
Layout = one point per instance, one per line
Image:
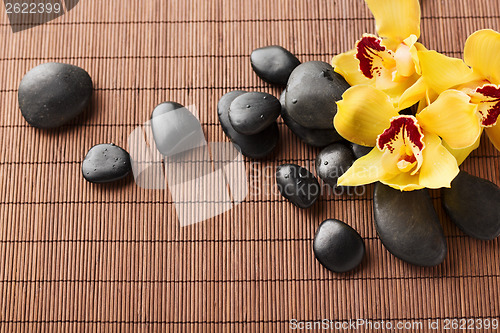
(77, 256)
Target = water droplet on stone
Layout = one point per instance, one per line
(333, 161)
(248, 106)
(102, 170)
(294, 101)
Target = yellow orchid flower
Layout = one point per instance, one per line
(472, 91)
(389, 62)
(407, 156)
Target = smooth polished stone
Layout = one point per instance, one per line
(52, 94)
(337, 246)
(473, 204)
(333, 161)
(408, 225)
(253, 146)
(273, 64)
(312, 136)
(253, 112)
(311, 94)
(298, 185)
(106, 163)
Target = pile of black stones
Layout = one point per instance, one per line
(51, 95)
(406, 222)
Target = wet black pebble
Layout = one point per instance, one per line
(311, 93)
(253, 112)
(360, 151)
(408, 225)
(473, 204)
(254, 146)
(337, 246)
(297, 184)
(312, 136)
(175, 129)
(52, 94)
(273, 64)
(106, 163)
(333, 161)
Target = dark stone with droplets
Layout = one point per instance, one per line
(253, 112)
(333, 161)
(297, 184)
(473, 204)
(312, 136)
(408, 225)
(52, 94)
(337, 246)
(254, 146)
(106, 163)
(311, 94)
(273, 64)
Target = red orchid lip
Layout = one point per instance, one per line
(402, 124)
(368, 48)
(489, 116)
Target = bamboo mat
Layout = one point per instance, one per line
(77, 256)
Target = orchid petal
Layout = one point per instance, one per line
(494, 135)
(453, 118)
(462, 153)
(413, 95)
(439, 167)
(404, 61)
(417, 47)
(406, 158)
(406, 57)
(396, 19)
(401, 149)
(403, 182)
(347, 65)
(481, 53)
(362, 114)
(377, 63)
(366, 170)
(396, 89)
(441, 72)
